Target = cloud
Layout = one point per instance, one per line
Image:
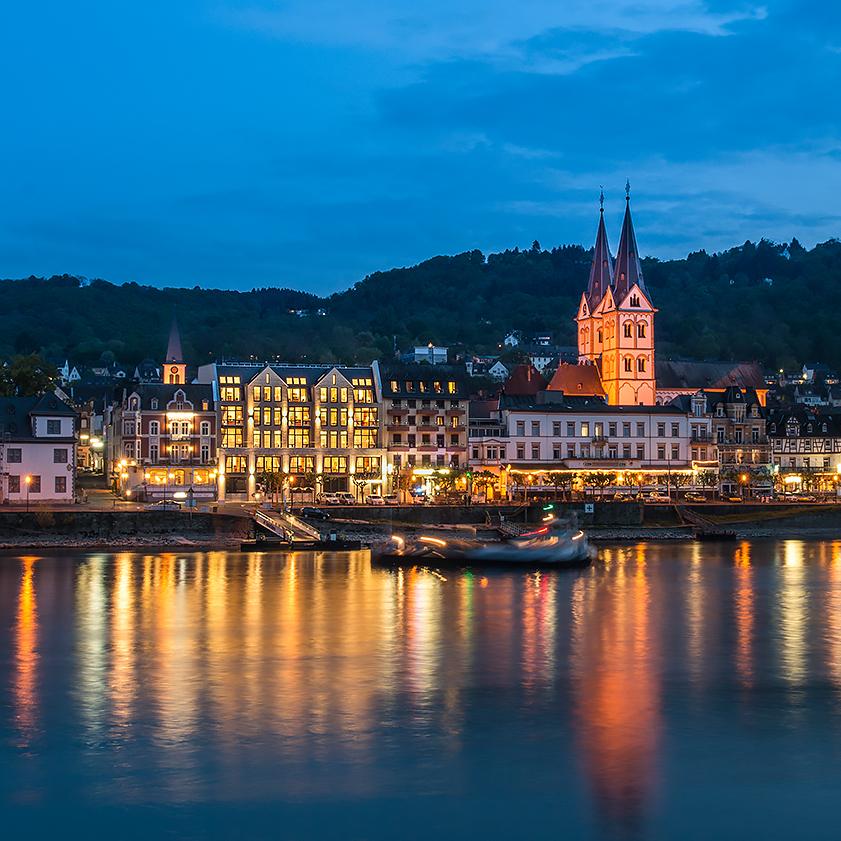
(500, 32)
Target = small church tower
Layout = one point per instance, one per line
(174, 368)
(627, 317)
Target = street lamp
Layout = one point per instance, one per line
(28, 481)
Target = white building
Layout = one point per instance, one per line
(431, 354)
(37, 450)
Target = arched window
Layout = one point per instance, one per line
(641, 363)
(600, 335)
(641, 330)
(635, 301)
(628, 330)
(628, 363)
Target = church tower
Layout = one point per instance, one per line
(175, 368)
(590, 328)
(627, 323)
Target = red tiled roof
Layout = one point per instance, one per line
(525, 380)
(582, 380)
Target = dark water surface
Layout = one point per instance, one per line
(673, 691)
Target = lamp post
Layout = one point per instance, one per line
(28, 481)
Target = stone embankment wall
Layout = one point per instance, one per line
(99, 525)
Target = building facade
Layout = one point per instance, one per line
(320, 425)
(37, 450)
(805, 448)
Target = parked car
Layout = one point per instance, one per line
(693, 496)
(330, 499)
(391, 499)
(657, 497)
(733, 498)
(346, 498)
(166, 505)
(314, 513)
(374, 499)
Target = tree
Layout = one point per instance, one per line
(483, 480)
(361, 478)
(601, 480)
(273, 483)
(561, 481)
(27, 376)
(707, 479)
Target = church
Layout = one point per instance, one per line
(615, 332)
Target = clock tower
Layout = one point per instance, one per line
(174, 368)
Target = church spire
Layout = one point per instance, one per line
(627, 269)
(173, 348)
(601, 269)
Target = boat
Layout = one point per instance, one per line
(552, 545)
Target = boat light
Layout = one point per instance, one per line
(436, 541)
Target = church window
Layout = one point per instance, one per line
(641, 330)
(628, 363)
(641, 363)
(628, 330)
(600, 335)
(635, 301)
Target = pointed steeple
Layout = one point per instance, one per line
(173, 348)
(601, 269)
(627, 270)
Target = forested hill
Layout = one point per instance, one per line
(774, 303)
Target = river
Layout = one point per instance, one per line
(673, 691)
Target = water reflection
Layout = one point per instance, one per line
(26, 655)
(216, 677)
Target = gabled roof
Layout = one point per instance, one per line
(601, 269)
(683, 374)
(524, 379)
(627, 269)
(577, 380)
(164, 393)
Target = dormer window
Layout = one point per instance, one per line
(153, 403)
(823, 427)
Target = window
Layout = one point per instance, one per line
(570, 450)
(675, 452)
(365, 417)
(535, 452)
(235, 464)
(640, 429)
(556, 452)
(451, 387)
(635, 301)
(335, 465)
(232, 437)
(53, 427)
(571, 429)
(14, 455)
(556, 429)
(626, 430)
(14, 484)
(257, 393)
(628, 330)
(61, 484)
(153, 453)
(521, 428)
(626, 451)
(35, 485)
(334, 439)
(364, 437)
(232, 416)
(628, 363)
(521, 451)
(535, 428)
(153, 403)
(367, 464)
(641, 363)
(298, 416)
(641, 330)
(641, 452)
(267, 464)
(154, 428)
(60, 455)
(205, 453)
(661, 452)
(598, 430)
(661, 430)
(205, 428)
(675, 430)
(611, 430)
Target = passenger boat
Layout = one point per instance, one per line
(552, 545)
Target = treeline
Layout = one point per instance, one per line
(769, 302)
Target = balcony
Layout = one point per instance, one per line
(454, 413)
(397, 410)
(427, 448)
(397, 427)
(428, 427)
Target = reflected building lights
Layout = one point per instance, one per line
(26, 655)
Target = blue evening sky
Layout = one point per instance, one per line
(305, 143)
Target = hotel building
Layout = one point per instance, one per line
(321, 424)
